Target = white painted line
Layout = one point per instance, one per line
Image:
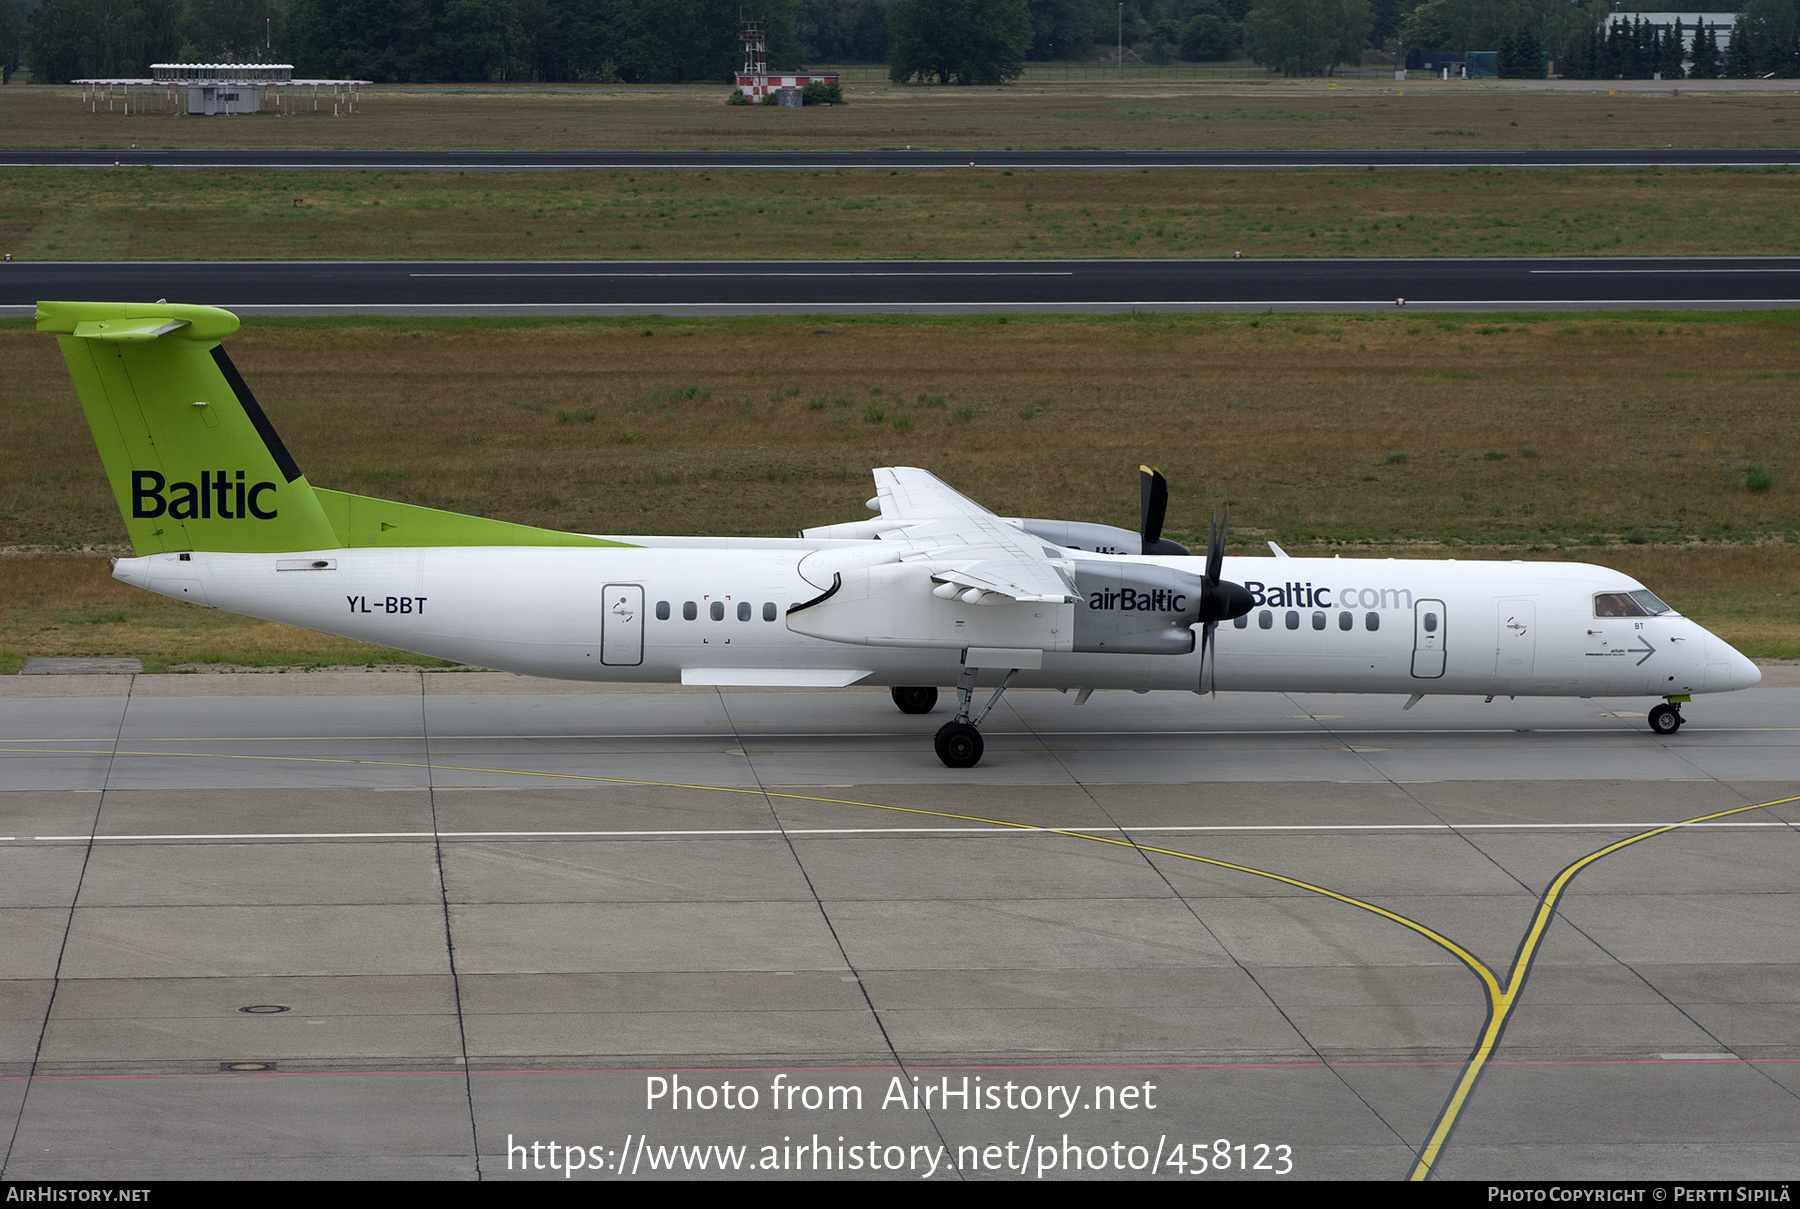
(994, 829)
(1699, 1057)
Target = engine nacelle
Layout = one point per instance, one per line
(1099, 539)
(1135, 609)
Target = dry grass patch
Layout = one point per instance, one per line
(72, 214)
(1243, 114)
(1616, 439)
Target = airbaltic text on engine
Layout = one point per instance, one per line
(1126, 600)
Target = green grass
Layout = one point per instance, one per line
(69, 214)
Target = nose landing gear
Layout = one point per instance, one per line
(1666, 719)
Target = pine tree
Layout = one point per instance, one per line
(1669, 63)
(1529, 53)
(1506, 61)
(1582, 60)
(1740, 53)
(1606, 54)
(1706, 53)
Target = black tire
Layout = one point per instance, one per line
(1665, 719)
(915, 700)
(959, 745)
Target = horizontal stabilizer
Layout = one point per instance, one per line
(360, 520)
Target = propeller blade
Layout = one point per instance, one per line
(1153, 492)
(1206, 665)
(1215, 547)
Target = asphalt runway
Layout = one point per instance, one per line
(890, 159)
(393, 925)
(914, 287)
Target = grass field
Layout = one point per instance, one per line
(139, 214)
(1664, 445)
(1246, 113)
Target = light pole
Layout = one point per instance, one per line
(1121, 42)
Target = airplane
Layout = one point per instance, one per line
(934, 590)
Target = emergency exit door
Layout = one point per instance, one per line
(1515, 638)
(1428, 639)
(622, 625)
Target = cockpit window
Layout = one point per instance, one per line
(1652, 605)
(1629, 604)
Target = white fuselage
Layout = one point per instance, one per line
(1319, 625)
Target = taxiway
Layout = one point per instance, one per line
(364, 925)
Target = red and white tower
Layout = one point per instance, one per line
(753, 81)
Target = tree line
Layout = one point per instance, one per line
(929, 41)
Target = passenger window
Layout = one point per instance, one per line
(1373, 621)
(743, 610)
(1318, 621)
(1431, 623)
(688, 612)
(1240, 622)
(1293, 620)
(718, 610)
(769, 610)
(662, 610)
(1265, 619)
(1346, 621)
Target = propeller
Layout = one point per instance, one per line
(1153, 493)
(1221, 599)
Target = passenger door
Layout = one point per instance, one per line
(622, 625)
(1428, 639)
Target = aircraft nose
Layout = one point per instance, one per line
(1726, 669)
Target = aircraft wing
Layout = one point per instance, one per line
(967, 545)
(908, 493)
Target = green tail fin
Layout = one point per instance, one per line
(193, 461)
(196, 465)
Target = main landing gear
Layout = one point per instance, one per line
(914, 700)
(1666, 719)
(958, 742)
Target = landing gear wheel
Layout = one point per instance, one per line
(959, 745)
(1665, 719)
(915, 700)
